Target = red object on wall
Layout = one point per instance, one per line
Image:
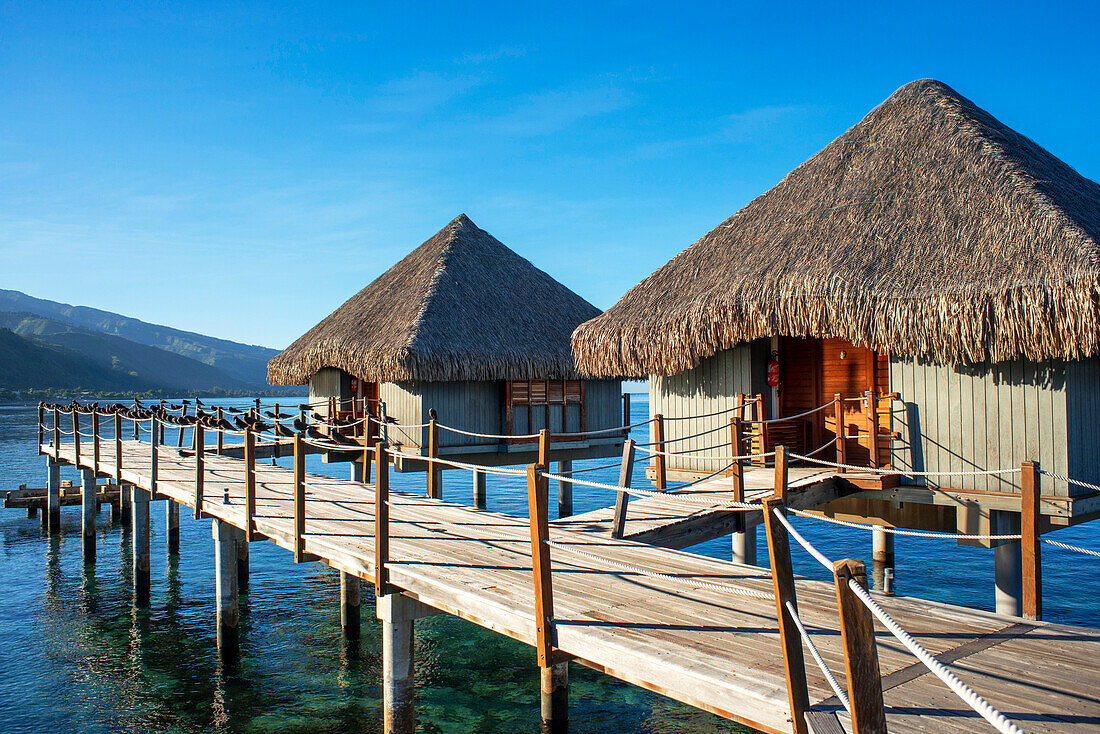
(773, 372)
(355, 386)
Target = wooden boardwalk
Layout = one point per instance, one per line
(715, 650)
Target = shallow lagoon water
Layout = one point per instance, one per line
(76, 656)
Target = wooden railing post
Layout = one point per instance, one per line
(737, 468)
(857, 632)
(183, 426)
(221, 431)
(95, 441)
(56, 433)
(154, 452)
(381, 520)
(781, 473)
(118, 452)
(299, 499)
(41, 426)
(872, 432)
(841, 439)
(1030, 555)
(249, 482)
(433, 452)
(538, 491)
(76, 437)
(794, 664)
(544, 448)
(659, 445)
(626, 472)
(200, 469)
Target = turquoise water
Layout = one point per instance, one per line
(76, 656)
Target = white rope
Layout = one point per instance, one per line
(684, 455)
(811, 411)
(1086, 551)
(902, 531)
(635, 492)
(618, 429)
(840, 694)
(410, 426)
(461, 465)
(685, 438)
(803, 542)
(484, 435)
(1068, 480)
(963, 691)
(877, 470)
(724, 588)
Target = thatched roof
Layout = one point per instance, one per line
(462, 306)
(929, 229)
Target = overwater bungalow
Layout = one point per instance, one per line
(931, 256)
(464, 330)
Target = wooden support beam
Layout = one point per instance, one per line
(659, 445)
(857, 631)
(200, 469)
(626, 472)
(780, 483)
(554, 698)
(435, 489)
(480, 489)
(299, 500)
(381, 520)
(841, 439)
(242, 559)
(154, 453)
(249, 482)
(1030, 554)
(172, 526)
(350, 618)
(538, 509)
(794, 664)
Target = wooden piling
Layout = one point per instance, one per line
(565, 489)
(794, 664)
(200, 469)
(53, 496)
(350, 619)
(141, 546)
(398, 684)
(857, 631)
(299, 500)
(172, 525)
(88, 513)
(659, 445)
(554, 699)
(435, 486)
(225, 584)
(479, 487)
(243, 561)
(1030, 554)
(381, 520)
(626, 473)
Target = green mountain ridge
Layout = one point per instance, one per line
(150, 367)
(27, 365)
(246, 363)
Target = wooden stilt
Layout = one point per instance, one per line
(857, 631)
(172, 525)
(882, 556)
(140, 536)
(225, 584)
(243, 569)
(565, 489)
(398, 685)
(88, 513)
(479, 482)
(53, 496)
(349, 605)
(1030, 554)
(554, 701)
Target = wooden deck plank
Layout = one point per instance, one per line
(705, 647)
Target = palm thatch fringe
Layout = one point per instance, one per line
(462, 306)
(929, 229)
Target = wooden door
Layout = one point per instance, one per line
(851, 371)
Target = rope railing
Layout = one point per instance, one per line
(904, 472)
(1067, 546)
(902, 531)
(816, 654)
(1070, 480)
(645, 493)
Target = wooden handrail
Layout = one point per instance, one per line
(538, 510)
(381, 521)
(1030, 554)
(857, 631)
(794, 664)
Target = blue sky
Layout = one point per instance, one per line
(241, 169)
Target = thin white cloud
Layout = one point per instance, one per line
(549, 112)
(733, 129)
(486, 57)
(422, 92)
